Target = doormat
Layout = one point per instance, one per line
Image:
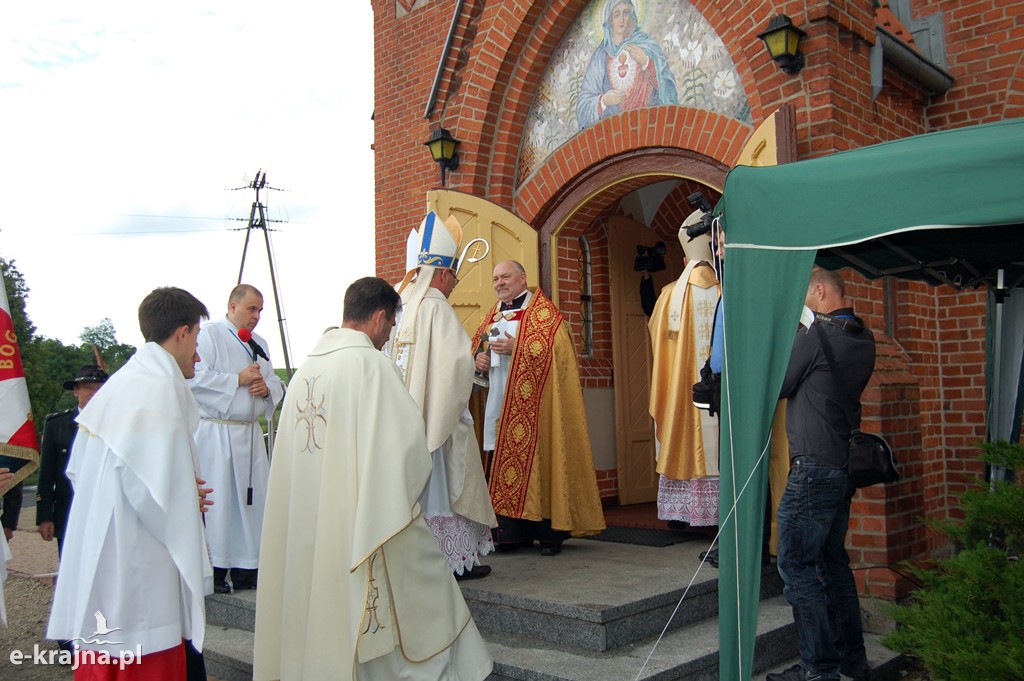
(645, 536)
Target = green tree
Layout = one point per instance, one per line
(48, 362)
(103, 338)
(966, 622)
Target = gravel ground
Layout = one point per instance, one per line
(28, 609)
(29, 595)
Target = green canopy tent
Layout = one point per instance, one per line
(946, 207)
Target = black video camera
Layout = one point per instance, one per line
(650, 258)
(697, 200)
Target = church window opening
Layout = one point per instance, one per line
(586, 282)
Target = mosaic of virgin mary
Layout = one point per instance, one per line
(627, 71)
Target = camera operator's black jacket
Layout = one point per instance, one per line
(816, 418)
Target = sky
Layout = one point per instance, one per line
(125, 126)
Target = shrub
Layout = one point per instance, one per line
(967, 622)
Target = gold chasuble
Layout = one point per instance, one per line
(542, 463)
(687, 436)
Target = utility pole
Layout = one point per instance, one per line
(258, 220)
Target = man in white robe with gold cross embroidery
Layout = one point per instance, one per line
(687, 437)
(352, 585)
(234, 386)
(433, 352)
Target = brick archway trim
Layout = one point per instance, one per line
(498, 87)
(667, 128)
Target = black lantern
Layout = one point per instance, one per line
(442, 148)
(782, 39)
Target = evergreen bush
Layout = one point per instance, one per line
(967, 622)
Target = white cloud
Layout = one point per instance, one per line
(125, 122)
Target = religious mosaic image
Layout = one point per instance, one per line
(628, 54)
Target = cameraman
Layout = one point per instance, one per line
(815, 511)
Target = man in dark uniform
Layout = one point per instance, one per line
(53, 500)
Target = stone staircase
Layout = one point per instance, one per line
(594, 612)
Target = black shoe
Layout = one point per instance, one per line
(475, 572)
(507, 548)
(221, 588)
(859, 676)
(711, 557)
(550, 549)
(798, 673)
(243, 579)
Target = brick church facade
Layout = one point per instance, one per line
(511, 81)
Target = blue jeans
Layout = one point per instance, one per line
(813, 516)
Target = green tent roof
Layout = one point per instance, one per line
(946, 207)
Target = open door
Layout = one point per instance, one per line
(631, 356)
(510, 237)
(772, 143)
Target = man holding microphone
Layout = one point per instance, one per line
(234, 385)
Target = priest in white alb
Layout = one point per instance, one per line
(433, 352)
(352, 584)
(235, 385)
(135, 570)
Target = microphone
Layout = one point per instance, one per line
(245, 335)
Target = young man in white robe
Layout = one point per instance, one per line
(433, 352)
(352, 585)
(135, 569)
(234, 386)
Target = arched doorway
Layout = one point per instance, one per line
(623, 209)
(638, 198)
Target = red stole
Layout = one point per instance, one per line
(519, 427)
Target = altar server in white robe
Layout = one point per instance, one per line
(135, 569)
(433, 352)
(234, 386)
(352, 585)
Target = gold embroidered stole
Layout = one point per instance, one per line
(516, 445)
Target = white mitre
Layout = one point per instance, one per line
(696, 250)
(435, 245)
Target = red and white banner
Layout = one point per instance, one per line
(19, 447)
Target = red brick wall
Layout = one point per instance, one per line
(985, 44)
(928, 395)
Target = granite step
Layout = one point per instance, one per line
(596, 596)
(593, 610)
(886, 665)
(687, 653)
(684, 653)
